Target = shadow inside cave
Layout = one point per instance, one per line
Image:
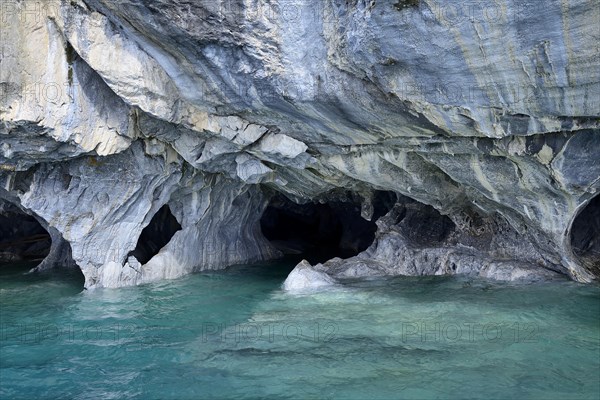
(321, 231)
(22, 237)
(156, 235)
(585, 236)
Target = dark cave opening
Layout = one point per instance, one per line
(22, 237)
(423, 224)
(156, 235)
(585, 236)
(319, 232)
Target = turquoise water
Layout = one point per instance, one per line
(235, 334)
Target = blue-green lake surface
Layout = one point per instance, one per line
(236, 334)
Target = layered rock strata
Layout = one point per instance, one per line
(486, 113)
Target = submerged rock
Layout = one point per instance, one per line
(486, 127)
(305, 277)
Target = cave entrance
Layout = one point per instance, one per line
(156, 235)
(585, 236)
(320, 232)
(22, 237)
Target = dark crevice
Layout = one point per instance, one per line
(422, 223)
(404, 4)
(383, 201)
(71, 54)
(585, 236)
(156, 235)
(319, 232)
(23, 179)
(22, 237)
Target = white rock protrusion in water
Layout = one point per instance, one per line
(305, 277)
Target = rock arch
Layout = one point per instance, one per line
(584, 236)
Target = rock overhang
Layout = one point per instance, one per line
(303, 104)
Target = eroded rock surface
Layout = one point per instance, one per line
(414, 240)
(487, 114)
(305, 278)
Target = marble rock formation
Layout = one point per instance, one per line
(482, 118)
(304, 278)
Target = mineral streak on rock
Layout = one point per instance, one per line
(483, 118)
